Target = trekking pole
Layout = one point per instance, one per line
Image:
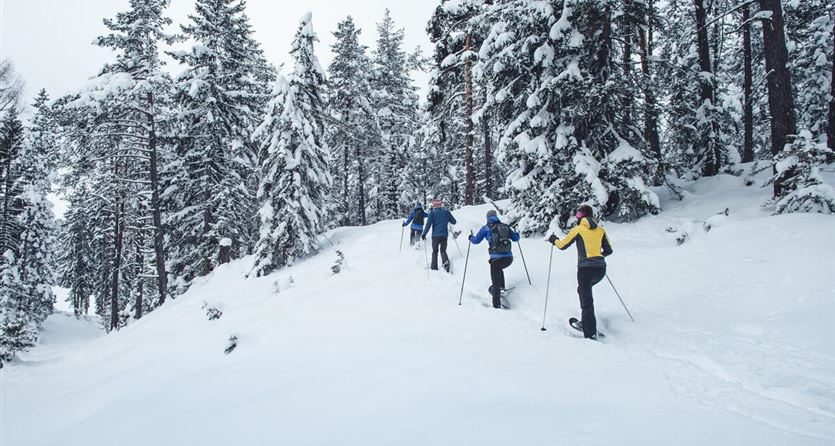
(461, 295)
(619, 298)
(402, 230)
(524, 263)
(455, 239)
(547, 287)
(426, 256)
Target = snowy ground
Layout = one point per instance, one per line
(734, 344)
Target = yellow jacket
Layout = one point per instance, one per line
(592, 244)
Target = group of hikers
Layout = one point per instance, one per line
(591, 241)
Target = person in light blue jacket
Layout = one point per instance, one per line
(416, 218)
(500, 238)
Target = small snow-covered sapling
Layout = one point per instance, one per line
(231, 345)
(212, 313)
(340, 260)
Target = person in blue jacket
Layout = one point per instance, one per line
(500, 238)
(415, 217)
(438, 221)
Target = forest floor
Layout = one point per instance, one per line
(733, 343)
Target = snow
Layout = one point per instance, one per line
(733, 344)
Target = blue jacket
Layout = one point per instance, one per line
(438, 220)
(485, 233)
(415, 226)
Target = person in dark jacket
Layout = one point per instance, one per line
(499, 237)
(592, 247)
(415, 217)
(438, 221)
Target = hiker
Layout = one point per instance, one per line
(592, 247)
(416, 217)
(438, 220)
(499, 237)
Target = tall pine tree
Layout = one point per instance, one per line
(293, 173)
(220, 99)
(353, 131)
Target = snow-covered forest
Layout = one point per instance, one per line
(189, 149)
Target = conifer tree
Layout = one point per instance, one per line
(566, 140)
(396, 107)
(77, 257)
(353, 131)
(293, 174)
(220, 99)
(114, 144)
(26, 297)
(11, 144)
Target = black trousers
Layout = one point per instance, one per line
(586, 279)
(414, 235)
(497, 267)
(439, 244)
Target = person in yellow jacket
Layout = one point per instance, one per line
(592, 247)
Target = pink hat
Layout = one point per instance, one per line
(436, 203)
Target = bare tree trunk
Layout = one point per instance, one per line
(361, 185)
(747, 80)
(469, 187)
(780, 97)
(712, 155)
(345, 192)
(159, 237)
(627, 73)
(488, 155)
(650, 111)
(140, 261)
(118, 241)
(831, 133)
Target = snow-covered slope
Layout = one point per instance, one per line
(734, 344)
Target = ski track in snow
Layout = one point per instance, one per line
(733, 344)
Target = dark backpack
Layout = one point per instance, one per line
(500, 235)
(419, 216)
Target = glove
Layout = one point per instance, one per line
(404, 225)
(552, 239)
(423, 236)
(470, 238)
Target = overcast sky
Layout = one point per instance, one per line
(49, 41)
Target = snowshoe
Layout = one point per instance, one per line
(502, 296)
(578, 325)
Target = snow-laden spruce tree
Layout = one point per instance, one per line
(76, 258)
(797, 168)
(114, 134)
(565, 141)
(293, 175)
(11, 143)
(18, 330)
(455, 36)
(38, 237)
(26, 297)
(220, 99)
(701, 124)
(810, 26)
(396, 106)
(353, 132)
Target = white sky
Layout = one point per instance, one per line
(49, 41)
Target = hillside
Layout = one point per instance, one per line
(733, 344)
